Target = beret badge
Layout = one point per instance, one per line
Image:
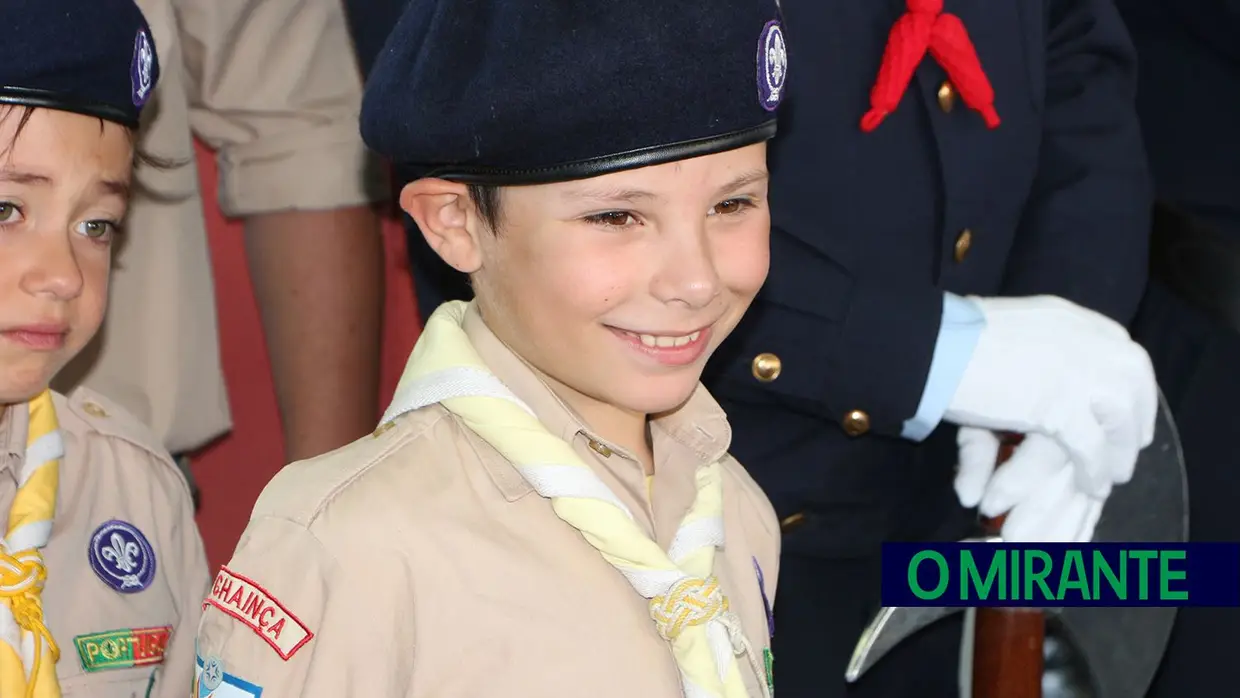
(141, 75)
(772, 65)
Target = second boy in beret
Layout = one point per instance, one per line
(548, 508)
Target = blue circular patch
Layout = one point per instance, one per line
(212, 673)
(772, 65)
(122, 557)
(141, 68)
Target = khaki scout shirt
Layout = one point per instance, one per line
(419, 562)
(126, 573)
(273, 87)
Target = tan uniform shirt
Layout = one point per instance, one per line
(419, 562)
(126, 572)
(273, 86)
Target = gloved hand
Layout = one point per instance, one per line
(1082, 391)
(1036, 488)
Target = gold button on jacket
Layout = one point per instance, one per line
(947, 96)
(766, 367)
(856, 423)
(963, 243)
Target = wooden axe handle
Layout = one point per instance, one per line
(1007, 642)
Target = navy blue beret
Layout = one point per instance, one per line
(93, 57)
(531, 91)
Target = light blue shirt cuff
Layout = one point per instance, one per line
(961, 326)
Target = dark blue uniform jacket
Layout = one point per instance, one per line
(871, 228)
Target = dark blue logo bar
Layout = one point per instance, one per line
(1040, 575)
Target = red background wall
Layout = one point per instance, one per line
(232, 471)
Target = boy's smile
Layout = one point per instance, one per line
(669, 349)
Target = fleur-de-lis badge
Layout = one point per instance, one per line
(772, 65)
(777, 55)
(122, 553)
(141, 68)
(122, 557)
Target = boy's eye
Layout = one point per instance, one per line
(731, 206)
(613, 218)
(97, 230)
(9, 213)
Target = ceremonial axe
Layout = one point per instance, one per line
(1121, 647)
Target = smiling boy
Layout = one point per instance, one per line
(548, 508)
(101, 568)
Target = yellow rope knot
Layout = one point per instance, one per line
(21, 573)
(21, 579)
(691, 601)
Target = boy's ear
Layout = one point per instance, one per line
(444, 214)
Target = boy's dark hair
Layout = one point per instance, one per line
(140, 156)
(486, 199)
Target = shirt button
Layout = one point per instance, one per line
(856, 423)
(599, 448)
(947, 96)
(963, 243)
(94, 409)
(383, 428)
(766, 367)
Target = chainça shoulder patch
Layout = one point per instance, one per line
(251, 605)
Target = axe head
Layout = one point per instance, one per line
(1122, 647)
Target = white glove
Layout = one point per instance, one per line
(1036, 488)
(1085, 393)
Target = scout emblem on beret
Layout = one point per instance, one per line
(122, 557)
(772, 65)
(140, 73)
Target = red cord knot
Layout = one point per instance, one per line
(924, 28)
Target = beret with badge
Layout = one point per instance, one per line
(92, 57)
(507, 92)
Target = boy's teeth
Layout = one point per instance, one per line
(664, 342)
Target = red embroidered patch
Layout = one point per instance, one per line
(246, 601)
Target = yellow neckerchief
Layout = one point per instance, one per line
(686, 604)
(28, 654)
